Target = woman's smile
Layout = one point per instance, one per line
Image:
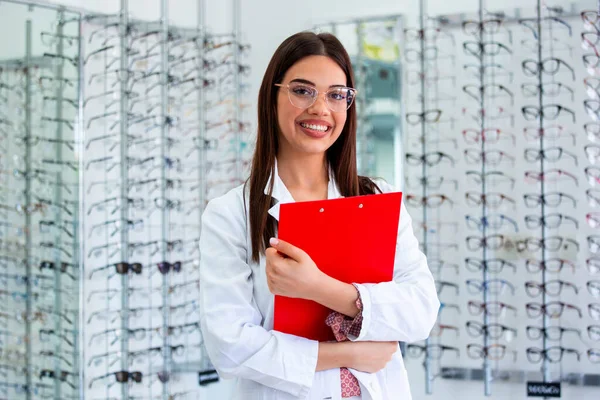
(315, 128)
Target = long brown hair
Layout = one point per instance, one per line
(341, 155)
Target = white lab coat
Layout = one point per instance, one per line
(236, 309)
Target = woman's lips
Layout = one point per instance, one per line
(317, 134)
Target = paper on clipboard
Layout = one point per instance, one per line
(351, 239)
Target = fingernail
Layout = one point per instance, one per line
(273, 242)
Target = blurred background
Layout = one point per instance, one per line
(120, 120)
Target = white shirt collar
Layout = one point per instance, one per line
(282, 195)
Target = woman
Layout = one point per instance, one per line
(305, 150)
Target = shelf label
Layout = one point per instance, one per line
(543, 389)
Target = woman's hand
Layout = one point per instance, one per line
(291, 272)
(370, 357)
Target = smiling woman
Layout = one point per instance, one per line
(305, 150)
(311, 104)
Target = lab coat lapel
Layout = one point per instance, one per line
(282, 195)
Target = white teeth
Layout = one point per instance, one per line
(321, 128)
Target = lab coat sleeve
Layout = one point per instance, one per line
(406, 308)
(237, 344)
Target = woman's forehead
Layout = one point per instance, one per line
(321, 71)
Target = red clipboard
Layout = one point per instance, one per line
(351, 239)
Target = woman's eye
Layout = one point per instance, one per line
(338, 96)
(302, 91)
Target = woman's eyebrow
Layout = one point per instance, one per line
(307, 82)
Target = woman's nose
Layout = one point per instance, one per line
(319, 107)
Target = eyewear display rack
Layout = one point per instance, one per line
(39, 232)
(514, 309)
(484, 32)
(117, 132)
(427, 69)
(164, 134)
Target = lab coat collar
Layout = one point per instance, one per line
(282, 195)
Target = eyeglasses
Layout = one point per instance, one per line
(553, 199)
(120, 268)
(549, 66)
(430, 53)
(439, 329)
(475, 28)
(430, 159)
(492, 222)
(551, 288)
(429, 116)
(431, 201)
(549, 111)
(592, 152)
(432, 351)
(531, 24)
(492, 331)
(303, 96)
(551, 243)
(552, 154)
(488, 90)
(491, 178)
(593, 265)
(593, 220)
(591, 62)
(594, 311)
(120, 377)
(550, 333)
(593, 175)
(592, 107)
(492, 352)
(594, 243)
(553, 132)
(492, 286)
(590, 41)
(444, 306)
(552, 175)
(431, 182)
(549, 221)
(492, 200)
(592, 87)
(440, 285)
(590, 19)
(491, 308)
(493, 265)
(477, 49)
(490, 157)
(488, 135)
(552, 309)
(491, 68)
(594, 355)
(594, 332)
(549, 89)
(593, 288)
(492, 242)
(593, 197)
(436, 227)
(552, 265)
(551, 354)
(438, 246)
(426, 34)
(491, 113)
(439, 265)
(436, 141)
